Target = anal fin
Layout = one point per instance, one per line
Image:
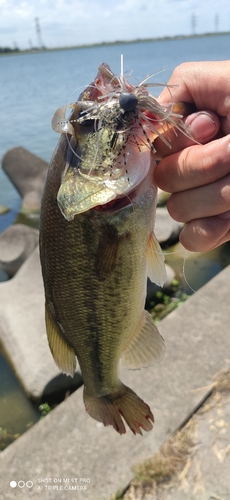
(146, 345)
(63, 354)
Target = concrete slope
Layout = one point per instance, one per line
(67, 449)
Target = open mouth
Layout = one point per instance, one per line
(116, 204)
(113, 204)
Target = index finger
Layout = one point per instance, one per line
(206, 84)
(203, 83)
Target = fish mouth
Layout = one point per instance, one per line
(81, 192)
(116, 204)
(139, 169)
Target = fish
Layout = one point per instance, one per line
(97, 242)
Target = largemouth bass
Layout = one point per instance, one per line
(97, 242)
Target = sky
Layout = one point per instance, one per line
(75, 22)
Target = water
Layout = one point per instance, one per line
(32, 87)
(194, 269)
(23, 415)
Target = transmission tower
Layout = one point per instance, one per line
(38, 31)
(193, 23)
(216, 22)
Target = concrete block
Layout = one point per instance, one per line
(16, 244)
(167, 230)
(27, 172)
(22, 327)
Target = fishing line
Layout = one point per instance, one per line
(155, 130)
(77, 88)
(109, 97)
(185, 279)
(185, 254)
(142, 84)
(122, 73)
(68, 105)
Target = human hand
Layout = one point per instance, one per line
(198, 176)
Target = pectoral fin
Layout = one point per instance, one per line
(146, 345)
(108, 252)
(63, 354)
(155, 261)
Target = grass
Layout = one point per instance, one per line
(166, 302)
(170, 461)
(44, 408)
(167, 463)
(170, 465)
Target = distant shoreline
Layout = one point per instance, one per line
(105, 44)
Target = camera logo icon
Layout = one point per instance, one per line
(21, 484)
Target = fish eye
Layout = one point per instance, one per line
(128, 101)
(88, 123)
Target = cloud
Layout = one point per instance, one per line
(73, 22)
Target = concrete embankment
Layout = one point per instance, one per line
(68, 445)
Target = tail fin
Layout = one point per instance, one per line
(111, 408)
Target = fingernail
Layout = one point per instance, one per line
(201, 125)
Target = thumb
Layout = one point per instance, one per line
(203, 126)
